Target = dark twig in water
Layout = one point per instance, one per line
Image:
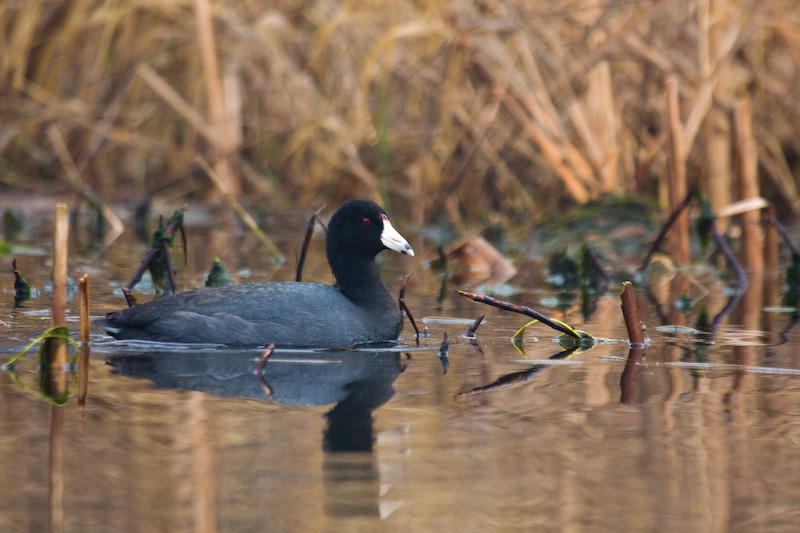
(741, 275)
(260, 369)
(401, 300)
(507, 306)
(403, 285)
(445, 346)
(405, 308)
(672, 219)
(733, 301)
(781, 229)
(170, 270)
(515, 378)
(304, 251)
(597, 265)
(470, 331)
(443, 354)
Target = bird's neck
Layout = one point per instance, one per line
(360, 281)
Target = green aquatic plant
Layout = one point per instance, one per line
(218, 275)
(46, 340)
(22, 289)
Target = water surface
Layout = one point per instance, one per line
(706, 439)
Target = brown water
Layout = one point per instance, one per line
(708, 439)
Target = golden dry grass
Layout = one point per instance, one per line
(463, 109)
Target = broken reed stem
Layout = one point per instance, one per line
(631, 315)
(85, 350)
(747, 158)
(507, 306)
(403, 286)
(470, 331)
(83, 289)
(401, 301)
(306, 242)
(260, 369)
(679, 236)
(263, 361)
(405, 308)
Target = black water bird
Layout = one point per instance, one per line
(359, 310)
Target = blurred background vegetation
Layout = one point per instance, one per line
(467, 110)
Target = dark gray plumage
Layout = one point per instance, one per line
(360, 311)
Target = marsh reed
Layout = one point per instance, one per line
(490, 109)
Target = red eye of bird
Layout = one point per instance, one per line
(366, 222)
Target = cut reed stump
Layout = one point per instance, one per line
(85, 350)
(631, 315)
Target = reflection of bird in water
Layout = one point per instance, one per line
(358, 382)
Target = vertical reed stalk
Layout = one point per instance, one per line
(85, 351)
(747, 161)
(679, 236)
(717, 174)
(216, 94)
(57, 384)
(58, 353)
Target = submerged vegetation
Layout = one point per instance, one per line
(480, 109)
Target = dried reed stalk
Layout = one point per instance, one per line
(747, 166)
(58, 355)
(216, 96)
(309, 87)
(60, 250)
(679, 235)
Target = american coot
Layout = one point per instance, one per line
(360, 311)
